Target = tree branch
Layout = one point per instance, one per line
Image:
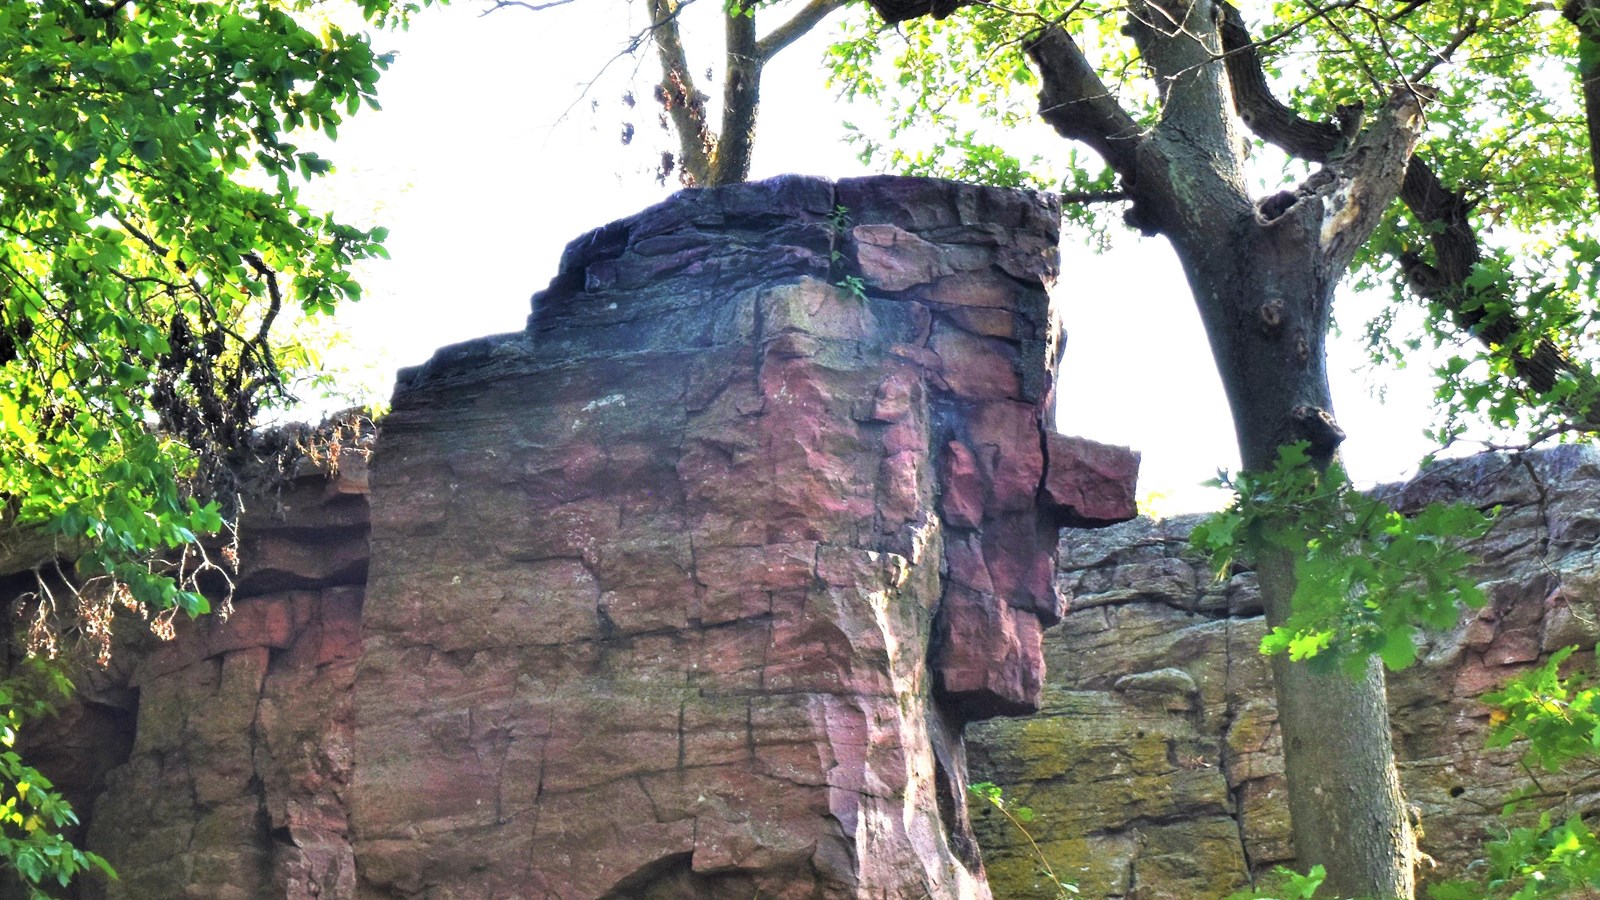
(741, 98)
(1446, 215)
(1260, 109)
(531, 7)
(1078, 105)
(1369, 176)
(806, 19)
(677, 93)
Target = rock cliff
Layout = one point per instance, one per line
(1154, 764)
(690, 589)
(713, 583)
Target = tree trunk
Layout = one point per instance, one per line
(1585, 16)
(741, 98)
(1267, 292)
(1263, 277)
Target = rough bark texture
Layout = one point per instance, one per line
(1263, 276)
(1155, 765)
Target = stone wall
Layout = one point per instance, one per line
(1154, 765)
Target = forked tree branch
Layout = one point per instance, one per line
(1446, 215)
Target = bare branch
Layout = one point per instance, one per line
(1093, 197)
(531, 7)
(1443, 54)
(806, 19)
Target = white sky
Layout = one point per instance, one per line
(482, 183)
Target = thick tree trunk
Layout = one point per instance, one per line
(1263, 277)
(1345, 801)
(1268, 291)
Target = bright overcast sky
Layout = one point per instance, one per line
(483, 176)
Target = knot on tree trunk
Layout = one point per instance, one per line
(1316, 426)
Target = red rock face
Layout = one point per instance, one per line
(236, 771)
(690, 589)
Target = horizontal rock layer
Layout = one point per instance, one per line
(1154, 765)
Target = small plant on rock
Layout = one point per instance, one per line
(1019, 816)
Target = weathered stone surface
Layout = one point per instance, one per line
(688, 591)
(1155, 764)
(237, 782)
(1093, 481)
(658, 602)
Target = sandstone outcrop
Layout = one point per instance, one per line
(690, 589)
(217, 765)
(694, 589)
(1154, 765)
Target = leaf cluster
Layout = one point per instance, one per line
(1556, 720)
(152, 247)
(33, 814)
(1367, 578)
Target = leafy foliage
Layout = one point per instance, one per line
(153, 238)
(1557, 718)
(153, 247)
(1366, 577)
(32, 813)
(1286, 884)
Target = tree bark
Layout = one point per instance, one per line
(741, 98)
(1263, 276)
(711, 159)
(684, 103)
(1585, 16)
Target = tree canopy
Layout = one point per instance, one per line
(154, 257)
